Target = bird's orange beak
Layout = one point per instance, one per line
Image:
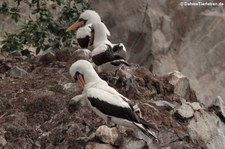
(75, 25)
(81, 80)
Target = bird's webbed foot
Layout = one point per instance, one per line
(137, 110)
(76, 102)
(109, 122)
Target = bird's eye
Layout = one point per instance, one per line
(81, 19)
(76, 76)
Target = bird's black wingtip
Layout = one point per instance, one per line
(146, 131)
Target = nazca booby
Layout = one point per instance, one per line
(105, 52)
(83, 24)
(105, 101)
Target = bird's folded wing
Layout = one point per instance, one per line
(104, 55)
(112, 105)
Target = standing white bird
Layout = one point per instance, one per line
(83, 24)
(105, 101)
(104, 51)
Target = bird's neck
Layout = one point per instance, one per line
(98, 43)
(100, 37)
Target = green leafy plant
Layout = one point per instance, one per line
(13, 11)
(43, 31)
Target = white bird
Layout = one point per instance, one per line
(83, 24)
(105, 101)
(104, 51)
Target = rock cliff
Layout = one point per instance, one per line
(179, 84)
(36, 110)
(168, 36)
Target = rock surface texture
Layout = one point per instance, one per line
(180, 89)
(38, 110)
(166, 36)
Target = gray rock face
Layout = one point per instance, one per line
(82, 54)
(178, 145)
(180, 83)
(219, 108)
(129, 143)
(163, 105)
(207, 130)
(195, 105)
(185, 111)
(169, 37)
(201, 55)
(16, 72)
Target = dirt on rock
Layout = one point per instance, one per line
(35, 109)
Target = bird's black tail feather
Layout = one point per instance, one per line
(146, 131)
(148, 125)
(118, 62)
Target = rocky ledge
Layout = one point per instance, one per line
(36, 110)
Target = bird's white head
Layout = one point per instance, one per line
(87, 17)
(83, 71)
(90, 16)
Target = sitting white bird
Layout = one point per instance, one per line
(106, 55)
(83, 26)
(105, 101)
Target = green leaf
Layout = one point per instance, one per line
(4, 9)
(38, 51)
